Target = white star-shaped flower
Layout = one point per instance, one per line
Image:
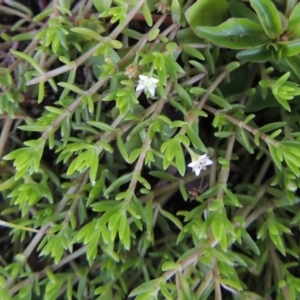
(147, 83)
(200, 163)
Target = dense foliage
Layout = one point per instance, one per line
(150, 149)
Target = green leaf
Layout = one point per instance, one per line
(161, 175)
(122, 148)
(120, 181)
(176, 11)
(185, 287)
(71, 87)
(172, 218)
(271, 127)
(164, 291)
(268, 16)
(234, 34)
(193, 52)
(27, 58)
(219, 101)
(147, 286)
(103, 126)
(231, 283)
(249, 242)
(168, 265)
(290, 48)
(217, 226)
(232, 197)
(152, 34)
(274, 155)
(195, 139)
(184, 95)
(294, 25)
(256, 54)
(102, 5)
(147, 14)
(180, 161)
(241, 10)
(206, 13)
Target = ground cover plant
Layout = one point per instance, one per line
(149, 149)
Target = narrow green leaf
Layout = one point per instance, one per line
(147, 286)
(71, 87)
(195, 139)
(120, 181)
(103, 126)
(27, 58)
(274, 156)
(147, 14)
(193, 52)
(180, 161)
(217, 227)
(172, 218)
(122, 148)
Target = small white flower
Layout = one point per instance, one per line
(200, 163)
(147, 84)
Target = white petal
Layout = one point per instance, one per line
(192, 164)
(140, 86)
(197, 171)
(151, 90)
(154, 81)
(143, 77)
(208, 162)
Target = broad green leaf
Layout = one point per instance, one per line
(206, 13)
(234, 34)
(268, 16)
(239, 9)
(294, 24)
(102, 5)
(290, 48)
